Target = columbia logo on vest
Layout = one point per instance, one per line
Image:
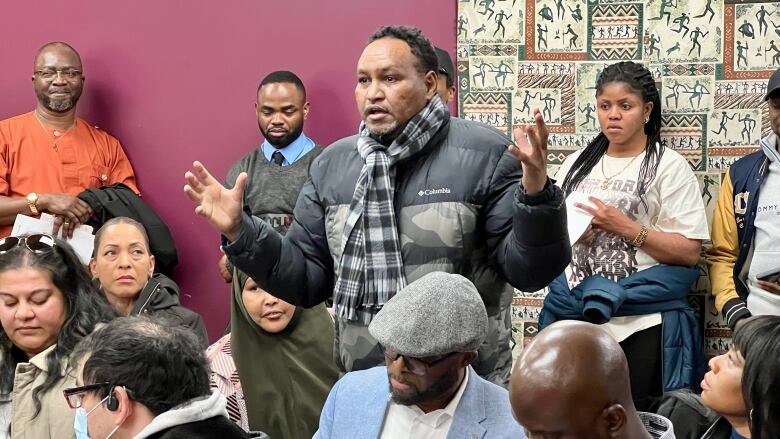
(444, 190)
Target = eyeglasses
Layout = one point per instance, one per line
(69, 74)
(37, 243)
(73, 395)
(417, 366)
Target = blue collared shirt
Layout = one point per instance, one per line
(292, 152)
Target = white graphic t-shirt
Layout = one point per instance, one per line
(673, 204)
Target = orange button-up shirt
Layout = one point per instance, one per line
(41, 160)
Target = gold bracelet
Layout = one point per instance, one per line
(640, 238)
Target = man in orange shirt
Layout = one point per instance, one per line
(49, 156)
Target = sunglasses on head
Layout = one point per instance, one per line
(37, 243)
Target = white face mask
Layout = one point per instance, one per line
(80, 425)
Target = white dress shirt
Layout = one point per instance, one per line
(402, 421)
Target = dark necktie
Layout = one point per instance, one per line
(277, 158)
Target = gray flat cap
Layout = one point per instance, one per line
(438, 314)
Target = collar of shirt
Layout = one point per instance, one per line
(658, 426)
(291, 152)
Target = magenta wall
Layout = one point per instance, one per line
(175, 81)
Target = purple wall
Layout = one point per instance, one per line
(175, 81)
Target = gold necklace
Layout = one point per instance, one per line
(605, 182)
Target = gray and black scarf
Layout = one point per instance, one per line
(371, 271)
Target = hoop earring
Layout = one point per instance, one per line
(647, 119)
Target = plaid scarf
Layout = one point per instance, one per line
(370, 271)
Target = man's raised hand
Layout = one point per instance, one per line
(219, 205)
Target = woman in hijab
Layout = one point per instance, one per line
(276, 365)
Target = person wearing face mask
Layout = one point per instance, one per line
(47, 304)
(283, 393)
(740, 394)
(124, 268)
(139, 378)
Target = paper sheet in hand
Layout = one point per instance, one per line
(83, 240)
(578, 219)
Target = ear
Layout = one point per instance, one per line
(151, 265)
(93, 268)
(468, 358)
(614, 419)
(431, 84)
(648, 108)
(125, 406)
(450, 93)
(305, 110)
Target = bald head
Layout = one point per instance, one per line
(57, 46)
(580, 374)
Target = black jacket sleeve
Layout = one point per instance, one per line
(296, 267)
(533, 247)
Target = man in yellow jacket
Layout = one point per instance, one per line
(744, 259)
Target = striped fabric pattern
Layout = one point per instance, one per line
(224, 377)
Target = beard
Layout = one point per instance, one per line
(59, 105)
(414, 396)
(281, 142)
(382, 131)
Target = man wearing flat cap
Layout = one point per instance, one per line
(743, 259)
(429, 332)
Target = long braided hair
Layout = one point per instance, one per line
(638, 79)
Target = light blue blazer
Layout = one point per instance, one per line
(357, 403)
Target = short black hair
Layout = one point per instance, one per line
(421, 47)
(163, 366)
(283, 76)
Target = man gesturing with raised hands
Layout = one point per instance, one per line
(414, 191)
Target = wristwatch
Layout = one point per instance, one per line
(32, 201)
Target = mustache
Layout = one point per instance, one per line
(371, 108)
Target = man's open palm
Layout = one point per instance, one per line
(219, 205)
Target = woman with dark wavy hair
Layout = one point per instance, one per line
(740, 394)
(48, 303)
(631, 271)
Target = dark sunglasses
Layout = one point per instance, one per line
(73, 395)
(37, 243)
(417, 366)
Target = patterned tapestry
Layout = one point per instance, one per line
(710, 58)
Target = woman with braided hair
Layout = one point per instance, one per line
(633, 267)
